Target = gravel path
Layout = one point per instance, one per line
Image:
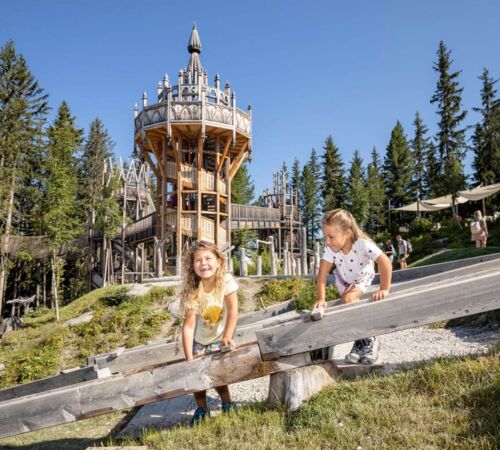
(397, 349)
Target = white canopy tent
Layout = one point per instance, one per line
(480, 192)
(447, 201)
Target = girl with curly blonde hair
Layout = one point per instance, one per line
(210, 307)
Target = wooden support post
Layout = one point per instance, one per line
(272, 255)
(292, 388)
(303, 252)
(286, 267)
(243, 263)
(259, 266)
(316, 258)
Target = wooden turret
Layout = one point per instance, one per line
(194, 139)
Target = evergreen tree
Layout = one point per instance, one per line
(334, 187)
(486, 137)
(242, 187)
(98, 148)
(60, 215)
(357, 191)
(450, 138)
(310, 197)
(398, 169)
(295, 181)
(376, 195)
(242, 193)
(23, 110)
(420, 148)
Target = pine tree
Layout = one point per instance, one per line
(486, 137)
(295, 181)
(357, 190)
(334, 187)
(420, 148)
(242, 193)
(450, 138)
(376, 195)
(23, 110)
(310, 197)
(60, 216)
(242, 187)
(398, 169)
(98, 147)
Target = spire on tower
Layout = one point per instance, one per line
(194, 47)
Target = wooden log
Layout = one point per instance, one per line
(472, 294)
(125, 391)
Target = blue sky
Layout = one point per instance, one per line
(310, 69)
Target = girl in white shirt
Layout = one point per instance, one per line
(353, 253)
(210, 308)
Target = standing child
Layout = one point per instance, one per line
(402, 252)
(210, 308)
(353, 254)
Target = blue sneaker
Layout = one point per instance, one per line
(228, 407)
(199, 415)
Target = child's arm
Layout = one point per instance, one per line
(321, 279)
(385, 269)
(232, 316)
(188, 334)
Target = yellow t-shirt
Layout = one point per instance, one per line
(211, 314)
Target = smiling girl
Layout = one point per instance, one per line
(353, 253)
(210, 308)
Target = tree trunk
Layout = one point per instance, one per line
(3, 246)
(54, 283)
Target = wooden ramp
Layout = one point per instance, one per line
(268, 342)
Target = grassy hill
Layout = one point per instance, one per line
(44, 347)
(454, 254)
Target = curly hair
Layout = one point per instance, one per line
(191, 281)
(345, 220)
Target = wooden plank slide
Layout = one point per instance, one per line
(272, 344)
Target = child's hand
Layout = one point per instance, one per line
(227, 341)
(319, 304)
(380, 294)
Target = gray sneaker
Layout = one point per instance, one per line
(356, 352)
(370, 350)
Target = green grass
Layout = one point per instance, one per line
(451, 403)
(44, 347)
(454, 254)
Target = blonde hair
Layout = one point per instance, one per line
(191, 281)
(345, 221)
(478, 214)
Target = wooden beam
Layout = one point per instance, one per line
(224, 153)
(151, 163)
(472, 294)
(238, 161)
(158, 156)
(125, 391)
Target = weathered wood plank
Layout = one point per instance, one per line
(472, 294)
(124, 391)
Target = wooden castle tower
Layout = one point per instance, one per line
(195, 139)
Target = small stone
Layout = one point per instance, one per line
(340, 424)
